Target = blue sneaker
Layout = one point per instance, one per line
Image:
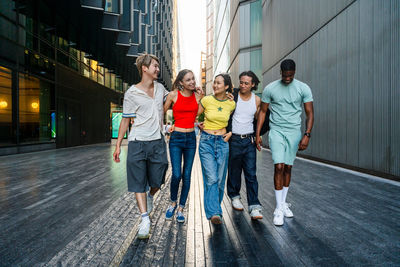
(170, 213)
(179, 217)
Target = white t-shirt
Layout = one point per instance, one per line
(148, 112)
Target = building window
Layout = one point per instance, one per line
(256, 67)
(107, 79)
(34, 109)
(250, 27)
(8, 29)
(93, 70)
(6, 132)
(112, 6)
(255, 22)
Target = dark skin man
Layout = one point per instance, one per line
(282, 172)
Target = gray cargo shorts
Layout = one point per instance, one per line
(146, 164)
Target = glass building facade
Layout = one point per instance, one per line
(62, 65)
(234, 35)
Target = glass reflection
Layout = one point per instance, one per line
(34, 109)
(112, 6)
(6, 132)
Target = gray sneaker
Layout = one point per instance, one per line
(149, 201)
(255, 214)
(237, 204)
(144, 229)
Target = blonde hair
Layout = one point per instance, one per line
(145, 60)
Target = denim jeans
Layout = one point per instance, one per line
(214, 152)
(181, 144)
(242, 156)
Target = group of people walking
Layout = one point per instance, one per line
(229, 138)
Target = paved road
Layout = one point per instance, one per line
(70, 206)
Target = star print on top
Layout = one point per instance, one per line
(216, 112)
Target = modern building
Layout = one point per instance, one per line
(234, 35)
(209, 46)
(64, 66)
(203, 68)
(346, 50)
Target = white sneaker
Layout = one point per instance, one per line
(278, 217)
(286, 211)
(144, 229)
(255, 214)
(237, 204)
(149, 203)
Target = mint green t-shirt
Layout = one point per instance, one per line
(285, 103)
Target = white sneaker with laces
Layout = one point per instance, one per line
(278, 217)
(144, 229)
(255, 214)
(237, 204)
(149, 201)
(286, 211)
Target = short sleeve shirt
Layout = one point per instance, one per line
(148, 112)
(216, 112)
(285, 103)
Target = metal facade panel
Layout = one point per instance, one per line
(352, 56)
(395, 88)
(341, 101)
(352, 67)
(331, 88)
(381, 107)
(281, 37)
(366, 49)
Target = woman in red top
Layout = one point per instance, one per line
(185, 99)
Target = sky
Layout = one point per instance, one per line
(192, 33)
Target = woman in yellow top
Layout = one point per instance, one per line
(214, 147)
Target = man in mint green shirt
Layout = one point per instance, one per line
(285, 98)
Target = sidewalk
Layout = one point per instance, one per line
(70, 207)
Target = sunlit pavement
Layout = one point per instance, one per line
(70, 207)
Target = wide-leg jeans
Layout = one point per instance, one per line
(214, 153)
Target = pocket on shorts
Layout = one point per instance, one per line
(135, 150)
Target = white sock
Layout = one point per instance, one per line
(284, 194)
(278, 198)
(145, 216)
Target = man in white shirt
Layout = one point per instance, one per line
(242, 150)
(147, 160)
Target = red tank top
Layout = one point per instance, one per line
(185, 111)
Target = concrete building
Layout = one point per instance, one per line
(203, 68)
(64, 66)
(347, 51)
(210, 46)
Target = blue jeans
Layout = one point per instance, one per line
(214, 152)
(242, 156)
(181, 144)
